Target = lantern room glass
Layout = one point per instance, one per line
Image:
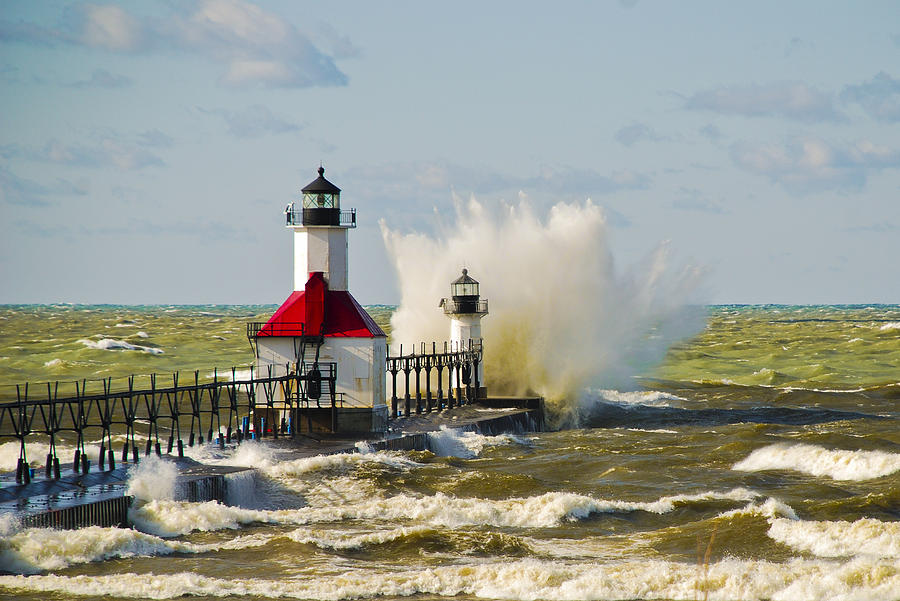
(318, 200)
(465, 289)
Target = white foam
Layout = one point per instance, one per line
(542, 511)
(770, 508)
(891, 325)
(819, 461)
(54, 363)
(347, 499)
(860, 579)
(111, 344)
(647, 398)
(152, 479)
(339, 540)
(37, 453)
(176, 518)
(36, 549)
(338, 461)
(866, 536)
(450, 442)
(273, 462)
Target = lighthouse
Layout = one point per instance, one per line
(465, 307)
(321, 331)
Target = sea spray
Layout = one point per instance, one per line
(451, 442)
(152, 479)
(562, 316)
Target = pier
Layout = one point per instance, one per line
(99, 498)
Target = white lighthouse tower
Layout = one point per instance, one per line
(320, 328)
(465, 309)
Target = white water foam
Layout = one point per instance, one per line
(339, 461)
(37, 454)
(860, 579)
(450, 442)
(152, 479)
(542, 511)
(770, 508)
(175, 518)
(351, 540)
(891, 325)
(614, 324)
(36, 550)
(111, 344)
(866, 536)
(330, 504)
(819, 461)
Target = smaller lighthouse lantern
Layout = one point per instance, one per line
(465, 309)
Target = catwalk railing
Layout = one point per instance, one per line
(156, 412)
(170, 411)
(424, 372)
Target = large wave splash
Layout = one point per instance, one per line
(562, 315)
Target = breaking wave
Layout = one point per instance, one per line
(111, 344)
(819, 461)
(751, 580)
(549, 332)
(865, 536)
(450, 442)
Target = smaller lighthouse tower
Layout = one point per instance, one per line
(465, 309)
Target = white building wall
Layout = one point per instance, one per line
(462, 329)
(361, 364)
(321, 249)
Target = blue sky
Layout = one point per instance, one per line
(148, 149)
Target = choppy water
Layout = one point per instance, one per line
(761, 460)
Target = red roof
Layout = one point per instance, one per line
(318, 311)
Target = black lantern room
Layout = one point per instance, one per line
(322, 205)
(465, 297)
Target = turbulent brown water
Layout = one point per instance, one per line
(760, 460)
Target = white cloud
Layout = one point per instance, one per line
(880, 97)
(806, 164)
(108, 151)
(692, 199)
(254, 46)
(101, 78)
(254, 121)
(21, 191)
(711, 132)
(789, 99)
(637, 132)
(110, 27)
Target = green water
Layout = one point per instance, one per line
(760, 460)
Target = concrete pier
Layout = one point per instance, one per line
(100, 499)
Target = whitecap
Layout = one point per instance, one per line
(818, 461)
(528, 579)
(866, 536)
(111, 344)
(450, 442)
(649, 398)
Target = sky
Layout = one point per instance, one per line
(147, 150)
